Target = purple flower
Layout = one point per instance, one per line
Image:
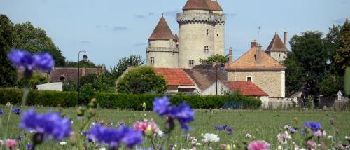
(114, 136)
(49, 124)
(24, 60)
(183, 113)
(229, 130)
(314, 126)
(16, 111)
(220, 127)
(1, 112)
(161, 105)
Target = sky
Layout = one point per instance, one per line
(111, 29)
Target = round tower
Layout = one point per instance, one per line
(201, 32)
(162, 50)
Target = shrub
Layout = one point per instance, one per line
(127, 101)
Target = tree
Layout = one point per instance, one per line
(82, 63)
(294, 75)
(141, 80)
(215, 59)
(124, 63)
(35, 40)
(342, 56)
(8, 75)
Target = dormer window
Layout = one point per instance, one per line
(191, 63)
(249, 79)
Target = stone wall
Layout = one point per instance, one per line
(164, 52)
(272, 82)
(279, 56)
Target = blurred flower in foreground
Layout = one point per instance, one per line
(10, 143)
(183, 113)
(314, 126)
(114, 136)
(258, 145)
(16, 111)
(210, 138)
(1, 112)
(50, 124)
(22, 59)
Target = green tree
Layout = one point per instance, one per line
(294, 75)
(35, 40)
(342, 56)
(215, 59)
(8, 75)
(82, 63)
(141, 80)
(124, 63)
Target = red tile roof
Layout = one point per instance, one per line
(174, 76)
(276, 45)
(213, 5)
(196, 5)
(255, 60)
(246, 88)
(162, 31)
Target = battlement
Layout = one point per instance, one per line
(184, 18)
(162, 49)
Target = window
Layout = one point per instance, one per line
(191, 63)
(207, 31)
(249, 79)
(206, 49)
(152, 60)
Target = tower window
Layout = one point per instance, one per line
(191, 63)
(207, 31)
(249, 79)
(206, 49)
(152, 60)
(217, 34)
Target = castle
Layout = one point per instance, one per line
(202, 34)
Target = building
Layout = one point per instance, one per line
(61, 74)
(201, 34)
(278, 49)
(259, 68)
(177, 80)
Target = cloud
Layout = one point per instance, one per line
(140, 44)
(339, 21)
(120, 28)
(140, 16)
(171, 13)
(85, 42)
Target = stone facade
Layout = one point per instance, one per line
(162, 54)
(272, 82)
(278, 56)
(201, 35)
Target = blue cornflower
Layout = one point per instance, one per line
(24, 60)
(183, 113)
(50, 124)
(229, 130)
(16, 111)
(314, 126)
(1, 112)
(220, 127)
(114, 136)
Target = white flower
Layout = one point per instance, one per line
(347, 137)
(160, 133)
(330, 137)
(248, 136)
(198, 144)
(286, 127)
(279, 147)
(209, 137)
(102, 148)
(63, 143)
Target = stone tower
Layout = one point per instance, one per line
(278, 49)
(162, 50)
(201, 31)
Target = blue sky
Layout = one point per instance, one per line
(111, 29)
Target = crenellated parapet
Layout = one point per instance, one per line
(162, 49)
(190, 18)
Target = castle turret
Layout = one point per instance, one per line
(277, 49)
(201, 31)
(162, 50)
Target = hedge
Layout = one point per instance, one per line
(127, 101)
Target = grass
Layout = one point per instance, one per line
(261, 124)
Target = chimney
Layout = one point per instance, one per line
(285, 38)
(257, 54)
(253, 44)
(230, 55)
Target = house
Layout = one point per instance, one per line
(60, 74)
(176, 79)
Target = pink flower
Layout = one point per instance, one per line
(258, 145)
(318, 133)
(311, 144)
(10, 143)
(142, 126)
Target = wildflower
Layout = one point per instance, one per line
(49, 124)
(311, 144)
(144, 125)
(248, 136)
(183, 113)
(63, 143)
(220, 127)
(229, 130)
(8, 104)
(283, 137)
(16, 111)
(114, 136)
(1, 112)
(10, 143)
(210, 138)
(24, 60)
(279, 147)
(258, 145)
(29, 146)
(314, 126)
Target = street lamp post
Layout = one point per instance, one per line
(78, 84)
